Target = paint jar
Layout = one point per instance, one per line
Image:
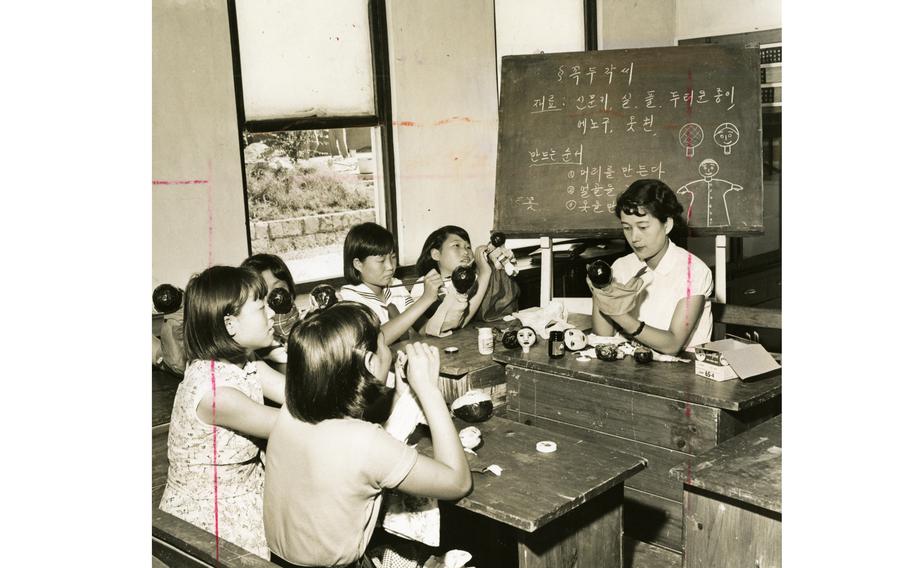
(555, 346)
(485, 340)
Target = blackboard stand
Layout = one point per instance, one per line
(720, 269)
(546, 271)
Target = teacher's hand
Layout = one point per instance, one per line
(616, 299)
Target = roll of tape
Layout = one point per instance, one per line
(546, 447)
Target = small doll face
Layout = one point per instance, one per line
(279, 299)
(526, 338)
(575, 339)
(463, 278)
(324, 296)
(510, 339)
(454, 252)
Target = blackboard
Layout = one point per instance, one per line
(575, 129)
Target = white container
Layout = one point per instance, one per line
(485, 340)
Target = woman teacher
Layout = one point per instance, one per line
(659, 294)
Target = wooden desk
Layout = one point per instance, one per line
(732, 501)
(465, 369)
(662, 412)
(558, 509)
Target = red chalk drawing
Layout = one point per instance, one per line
(441, 122)
(215, 460)
(179, 181)
(451, 120)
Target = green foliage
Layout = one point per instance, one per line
(281, 193)
(295, 144)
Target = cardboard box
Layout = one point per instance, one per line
(714, 372)
(742, 358)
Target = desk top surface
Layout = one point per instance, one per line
(746, 468)
(536, 488)
(676, 381)
(468, 359)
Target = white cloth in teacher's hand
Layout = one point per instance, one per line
(679, 274)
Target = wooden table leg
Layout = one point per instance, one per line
(589, 536)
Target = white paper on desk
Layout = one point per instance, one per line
(406, 414)
(626, 347)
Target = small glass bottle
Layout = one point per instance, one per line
(555, 346)
(485, 340)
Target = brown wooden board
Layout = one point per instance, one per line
(575, 129)
(465, 360)
(585, 537)
(654, 479)
(653, 519)
(178, 537)
(639, 417)
(159, 462)
(637, 554)
(164, 388)
(535, 488)
(719, 534)
(676, 381)
(746, 468)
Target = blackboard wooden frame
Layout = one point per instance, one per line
(528, 78)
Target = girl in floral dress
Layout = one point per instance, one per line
(215, 474)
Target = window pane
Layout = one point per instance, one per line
(305, 189)
(304, 58)
(534, 26)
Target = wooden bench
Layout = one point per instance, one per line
(176, 542)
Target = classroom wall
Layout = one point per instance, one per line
(629, 24)
(444, 105)
(194, 137)
(703, 18)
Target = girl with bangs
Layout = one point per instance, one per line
(219, 408)
(370, 262)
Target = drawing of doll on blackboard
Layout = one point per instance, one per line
(708, 197)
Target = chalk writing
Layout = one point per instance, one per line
(690, 137)
(708, 196)
(528, 202)
(547, 103)
(577, 74)
(553, 157)
(726, 135)
(610, 118)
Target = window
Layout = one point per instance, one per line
(314, 116)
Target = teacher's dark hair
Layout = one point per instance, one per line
(363, 240)
(655, 197)
(211, 295)
(327, 375)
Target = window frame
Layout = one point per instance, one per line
(382, 119)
